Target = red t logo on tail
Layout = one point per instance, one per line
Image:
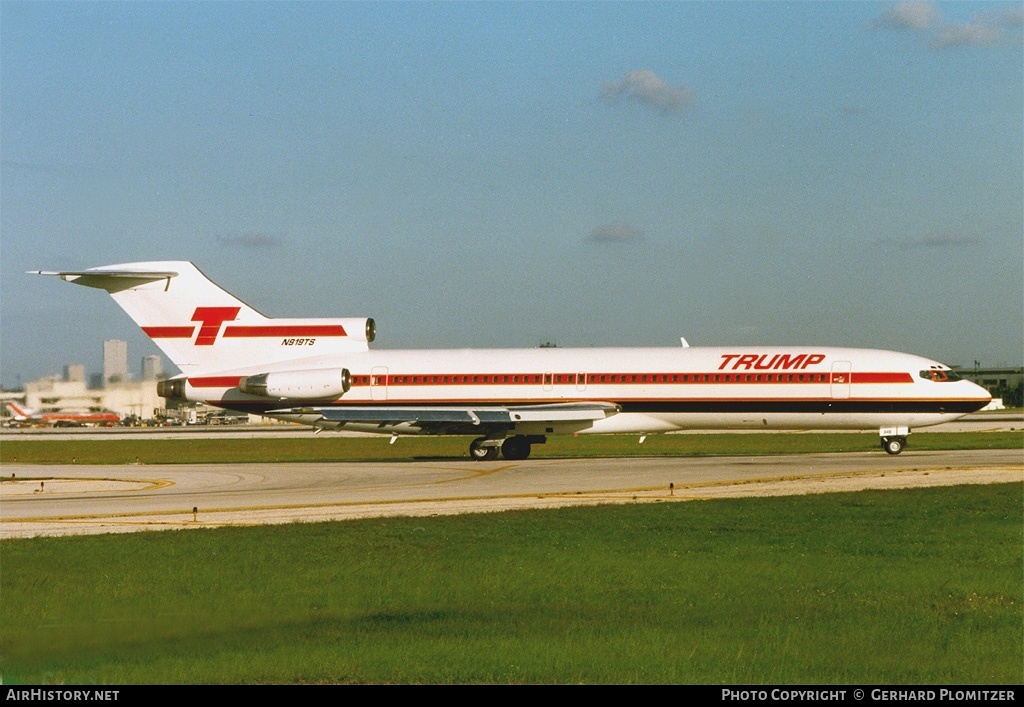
(211, 318)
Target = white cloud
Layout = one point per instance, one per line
(967, 34)
(924, 17)
(616, 233)
(1013, 17)
(646, 87)
(909, 14)
(932, 242)
(247, 241)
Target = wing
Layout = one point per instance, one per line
(457, 419)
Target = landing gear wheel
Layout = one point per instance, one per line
(480, 453)
(515, 448)
(894, 445)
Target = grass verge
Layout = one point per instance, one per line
(896, 587)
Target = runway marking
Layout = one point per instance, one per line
(472, 474)
(57, 485)
(679, 493)
(920, 473)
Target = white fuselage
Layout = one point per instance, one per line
(655, 389)
(322, 372)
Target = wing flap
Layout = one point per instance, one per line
(395, 415)
(562, 412)
(473, 415)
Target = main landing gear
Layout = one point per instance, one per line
(479, 452)
(512, 448)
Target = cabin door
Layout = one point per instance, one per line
(841, 374)
(379, 383)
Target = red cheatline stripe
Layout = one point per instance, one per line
(882, 378)
(536, 379)
(563, 379)
(292, 330)
(214, 381)
(169, 332)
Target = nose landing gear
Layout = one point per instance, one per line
(894, 439)
(894, 445)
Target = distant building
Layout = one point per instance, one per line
(112, 390)
(52, 394)
(131, 398)
(115, 361)
(994, 379)
(152, 367)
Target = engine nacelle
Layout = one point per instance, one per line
(315, 384)
(172, 389)
(358, 328)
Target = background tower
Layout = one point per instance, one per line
(152, 367)
(115, 361)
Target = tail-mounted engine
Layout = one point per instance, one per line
(173, 389)
(316, 384)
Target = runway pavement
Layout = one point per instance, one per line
(78, 499)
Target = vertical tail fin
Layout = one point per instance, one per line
(203, 328)
(18, 412)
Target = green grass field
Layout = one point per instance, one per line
(336, 448)
(896, 587)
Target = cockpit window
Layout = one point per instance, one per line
(940, 376)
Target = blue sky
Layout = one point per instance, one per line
(505, 174)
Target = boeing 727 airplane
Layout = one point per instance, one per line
(322, 372)
(61, 419)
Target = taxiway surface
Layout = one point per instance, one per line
(80, 499)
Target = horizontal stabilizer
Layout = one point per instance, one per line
(113, 280)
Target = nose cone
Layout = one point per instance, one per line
(978, 396)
